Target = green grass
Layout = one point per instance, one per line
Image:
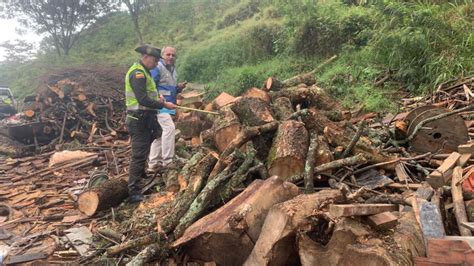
(232, 45)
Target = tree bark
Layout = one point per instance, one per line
(205, 197)
(282, 108)
(228, 234)
(252, 111)
(111, 193)
(257, 93)
(276, 243)
(237, 142)
(305, 78)
(197, 179)
(134, 243)
(287, 155)
(226, 128)
(309, 165)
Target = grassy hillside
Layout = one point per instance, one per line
(232, 45)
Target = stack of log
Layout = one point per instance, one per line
(72, 104)
(283, 175)
(259, 166)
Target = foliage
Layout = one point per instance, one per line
(62, 20)
(232, 45)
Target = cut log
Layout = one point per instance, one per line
(252, 111)
(208, 194)
(311, 96)
(360, 209)
(235, 226)
(276, 241)
(306, 78)
(29, 113)
(458, 202)
(241, 139)
(345, 233)
(282, 108)
(287, 155)
(272, 84)
(111, 193)
(197, 176)
(409, 244)
(190, 126)
(257, 93)
(323, 154)
(222, 100)
(226, 128)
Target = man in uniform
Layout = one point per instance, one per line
(162, 150)
(142, 101)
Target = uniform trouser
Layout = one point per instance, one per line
(162, 149)
(143, 129)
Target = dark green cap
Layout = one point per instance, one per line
(149, 50)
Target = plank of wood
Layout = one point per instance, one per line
(457, 251)
(422, 261)
(464, 159)
(466, 148)
(429, 218)
(458, 201)
(341, 210)
(406, 186)
(402, 174)
(468, 225)
(383, 221)
(443, 174)
(26, 257)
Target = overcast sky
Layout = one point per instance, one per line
(8, 33)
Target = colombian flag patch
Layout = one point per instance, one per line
(139, 75)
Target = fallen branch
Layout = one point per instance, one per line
(355, 139)
(134, 243)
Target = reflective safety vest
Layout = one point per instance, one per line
(130, 99)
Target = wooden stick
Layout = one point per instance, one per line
(458, 202)
(355, 139)
(197, 110)
(134, 243)
(309, 166)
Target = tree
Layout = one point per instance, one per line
(135, 7)
(18, 51)
(62, 20)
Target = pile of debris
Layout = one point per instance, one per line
(73, 104)
(281, 175)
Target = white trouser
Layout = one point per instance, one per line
(162, 149)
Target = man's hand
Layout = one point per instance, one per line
(169, 105)
(182, 85)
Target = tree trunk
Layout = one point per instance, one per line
(226, 128)
(282, 108)
(272, 84)
(227, 235)
(276, 243)
(202, 201)
(257, 93)
(197, 179)
(111, 193)
(252, 111)
(288, 153)
(306, 78)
